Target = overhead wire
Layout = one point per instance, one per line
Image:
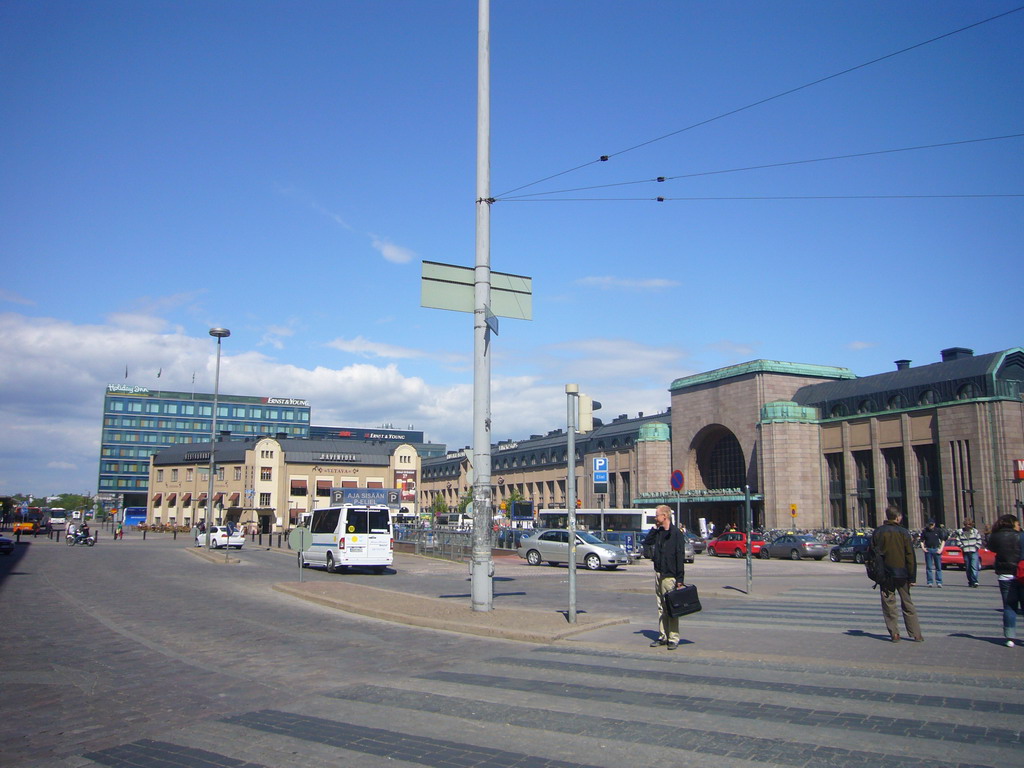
(662, 179)
(754, 197)
(605, 158)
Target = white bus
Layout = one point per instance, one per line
(351, 534)
(454, 520)
(598, 519)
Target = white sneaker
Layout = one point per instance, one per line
(1010, 643)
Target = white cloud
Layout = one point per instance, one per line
(857, 346)
(13, 298)
(396, 254)
(612, 361)
(52, 385)
(365, 348)
(274, 334)
(628, 283)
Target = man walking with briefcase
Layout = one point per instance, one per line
(665, 545)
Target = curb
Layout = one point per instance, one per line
(213, 556)
(521, 624)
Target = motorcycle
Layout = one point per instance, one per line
(80, 538)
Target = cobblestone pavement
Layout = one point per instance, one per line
(142, 655)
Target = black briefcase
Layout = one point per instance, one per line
(682, 601)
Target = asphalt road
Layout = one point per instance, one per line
(139, 653)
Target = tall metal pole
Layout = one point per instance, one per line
(218, 333)
(748, 523)
(572, 392)
(482, 588)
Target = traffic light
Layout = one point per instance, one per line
(587, 407)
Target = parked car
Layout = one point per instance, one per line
(699, 545)
(735, 543)
(509, 538)
(552, 546)
(953, 557)
(629, 541)
(6, 545)
(795, 546)
(219, 538)
(853, 547)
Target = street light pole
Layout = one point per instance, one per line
(572, 392)
(482, 589)
(218, 333)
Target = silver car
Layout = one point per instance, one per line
(552, 546)
(795, 546)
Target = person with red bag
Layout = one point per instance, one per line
(1005, 541)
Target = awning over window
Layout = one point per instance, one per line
(323, 485)
(186, 499)
(374, 483)
(156, 499)
(233, 500)
(201, 501)
(218, 498)
(349, 484)
(299, 486)
(171, 497)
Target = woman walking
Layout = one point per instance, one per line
(1005, 541)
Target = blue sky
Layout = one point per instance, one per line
(282, 169)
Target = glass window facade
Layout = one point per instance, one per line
(178, 417)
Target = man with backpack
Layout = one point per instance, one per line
(896, 572)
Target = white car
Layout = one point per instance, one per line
(219, 538)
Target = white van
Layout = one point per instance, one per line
(352, 534)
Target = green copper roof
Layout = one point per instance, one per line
(763, 366)
(787, 410)
(654, 431)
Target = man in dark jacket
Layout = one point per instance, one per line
(894, 543)
(933, 539)
(666, 546)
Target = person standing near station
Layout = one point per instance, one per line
(894, 543)
(970, 542)
(933, 539)
(1005, 541)
(666, 546)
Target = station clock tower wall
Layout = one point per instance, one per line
(653, 458)
(789, 451)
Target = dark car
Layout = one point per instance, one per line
(6, 545)
(699, 545)
(853, 547)
(630, 541)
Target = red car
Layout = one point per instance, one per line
(735, 543)
(953, 556)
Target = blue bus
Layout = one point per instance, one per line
(134, 515)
